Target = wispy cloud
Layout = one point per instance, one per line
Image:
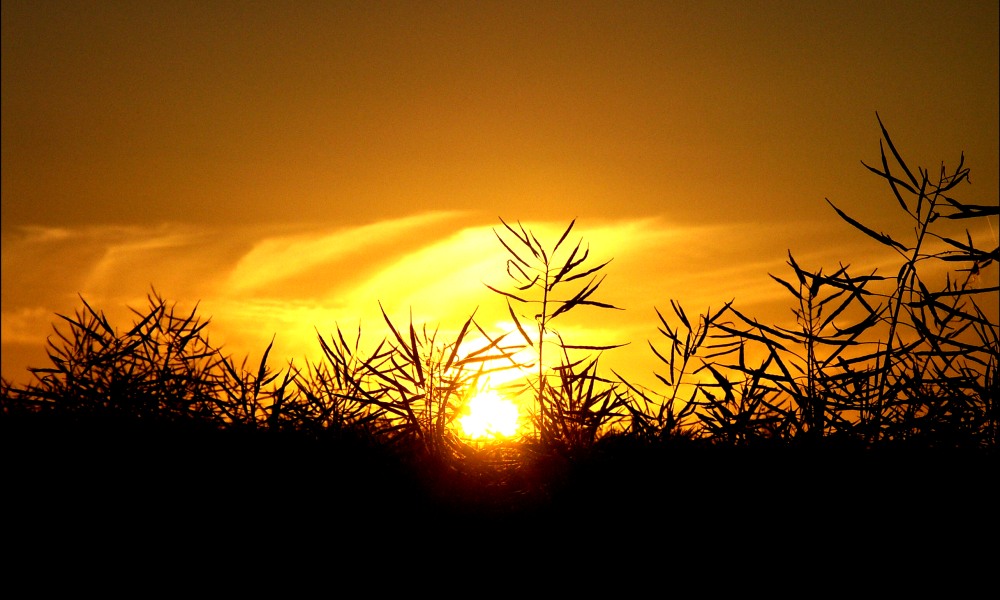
(275, 259)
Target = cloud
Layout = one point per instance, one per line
(273, 260)
(23, 324)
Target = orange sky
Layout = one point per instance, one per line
(290, 164)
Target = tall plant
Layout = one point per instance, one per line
(807, 381)
(868, 365)
(940, 353)
(671, 415)
(548, 285)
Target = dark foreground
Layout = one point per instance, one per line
(70, 491)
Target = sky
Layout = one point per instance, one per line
(291, 167)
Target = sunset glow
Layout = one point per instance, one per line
(489, 417)
(363, 158)
(525, 279)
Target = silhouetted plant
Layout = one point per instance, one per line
(335, 391)
(162, 367)
(411, 388)
(803, 385)
(671, 416)
(910, 364)
(538, 278)
(250, 398)
(928, 341)
(587, 404)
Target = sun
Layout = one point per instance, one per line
(489, 417)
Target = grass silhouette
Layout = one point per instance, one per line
(878, 398)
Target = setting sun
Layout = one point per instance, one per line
(489, 417)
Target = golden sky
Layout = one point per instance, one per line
(289, 165)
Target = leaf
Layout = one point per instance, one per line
(657, 353)
(581, 299)
(786, 284)
(458, 340)
(508, 294)
(893, 183)
(509, 249)
(517, 323)
(588, 272)
(565, 233)
(262, 369)
(414, 354)
(760, 338)
(568, 266)
(973, 211)
(679, 311)
(881, 237)
(584, 347)
(895, 153)
(540, 253)
(799, 272)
